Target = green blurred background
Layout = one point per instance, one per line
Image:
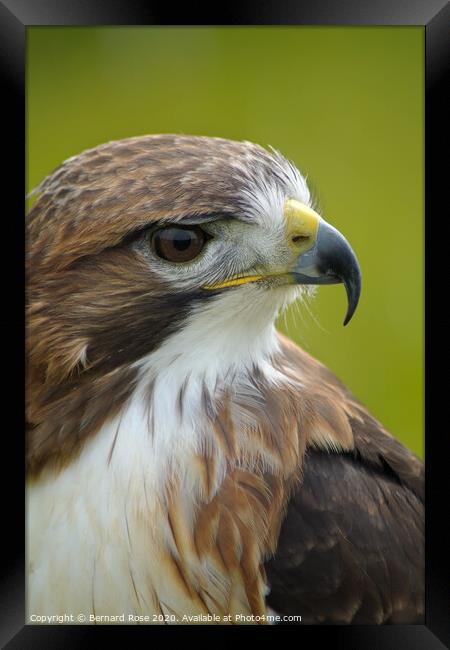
(345, 104)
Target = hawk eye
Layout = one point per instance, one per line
(178, 243)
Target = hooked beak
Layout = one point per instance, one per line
(321, 256)
(325, 256)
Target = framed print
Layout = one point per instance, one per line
(206, 444)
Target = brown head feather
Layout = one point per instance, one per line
(94, 200)
(94, 306)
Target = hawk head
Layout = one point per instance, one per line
(136, 241)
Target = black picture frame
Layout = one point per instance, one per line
(15, 17)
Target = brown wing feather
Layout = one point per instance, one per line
(351, 548)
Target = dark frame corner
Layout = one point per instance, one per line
(434, 16)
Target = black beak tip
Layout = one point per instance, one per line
(348, 316)
(353, 288)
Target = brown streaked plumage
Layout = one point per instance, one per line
(360, 557)
(190, 484)
(132, 182)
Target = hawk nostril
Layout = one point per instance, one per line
(297, 239)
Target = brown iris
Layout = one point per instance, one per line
(178, 243)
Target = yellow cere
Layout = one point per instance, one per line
(302, 223)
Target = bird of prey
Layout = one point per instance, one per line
(186, 462)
